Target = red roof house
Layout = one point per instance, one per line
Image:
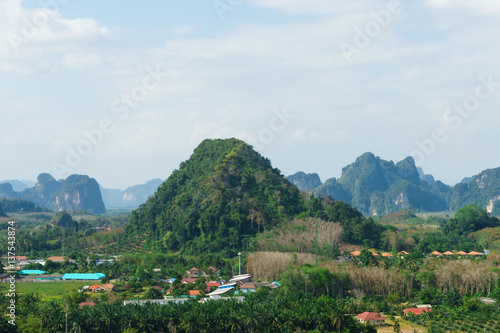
(95, 288)
(189, 280)
(416, 311)
(212, 284)
(372, 318)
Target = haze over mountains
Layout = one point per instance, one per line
(77, 192)
(378, 187)
(373, 185)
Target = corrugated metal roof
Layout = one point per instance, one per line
(83, 276)
(32, 272)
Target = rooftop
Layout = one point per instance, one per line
(370, 316)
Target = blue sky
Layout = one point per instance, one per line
(311, 84)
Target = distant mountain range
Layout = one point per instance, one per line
(378, 187)
(373, 185)
(19, 185)
(132, 197)
(77, 192)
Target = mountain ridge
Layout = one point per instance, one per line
(378, 187)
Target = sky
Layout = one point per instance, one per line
(123, 91)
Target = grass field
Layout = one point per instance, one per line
(46, 290)
(405, 327)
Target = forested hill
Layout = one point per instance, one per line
(224, 192)
(379, 187)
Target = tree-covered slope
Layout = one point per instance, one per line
(482, 190)
(379, 187)
(224, 192)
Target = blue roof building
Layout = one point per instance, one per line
(32, 272)
(83, 276)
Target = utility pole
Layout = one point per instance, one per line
(316, 241)
(239, 259)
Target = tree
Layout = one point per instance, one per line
(397, 326)
(153, 293)
(367, 259)
(470, 218)
(62, 219)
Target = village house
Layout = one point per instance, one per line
(416, 311)
(372, 318)
(95, 288)
(108, 287)
(194, 293)
(247, 287)
(188, 280)
(212, 284)
(83, 276)
(60, 259)
(215, 272)
(195, 272)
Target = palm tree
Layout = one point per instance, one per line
(251, 318)
(338, 320)
(234, 323)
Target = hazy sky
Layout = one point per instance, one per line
(123, 91)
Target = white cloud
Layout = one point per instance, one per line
(33, 40)
(227, 82)
(315, 6)
(81, 61)
(485, 7)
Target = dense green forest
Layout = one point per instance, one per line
(18, 205)
(223, 194)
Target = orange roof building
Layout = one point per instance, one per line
(355, 253)
(403, 253)
(462, 253)
(373, 318)
(449, 253)
(386, 255)
(416, 311)
(194, 292)
(474, 253)
(59, 259)
(17, 258)
(436, 253)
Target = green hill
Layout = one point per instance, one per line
(482, 190)
(222, 194)
(378, 187)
